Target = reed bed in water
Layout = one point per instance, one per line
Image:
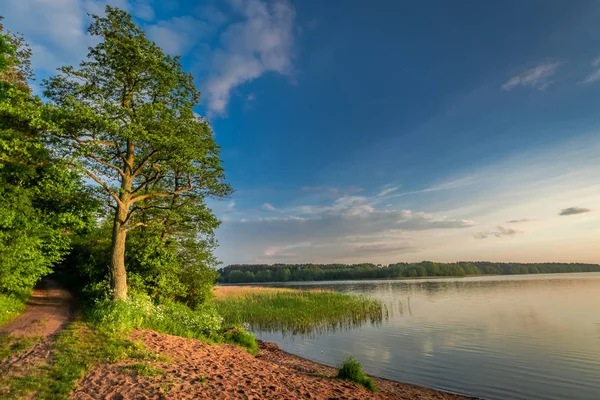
(295, 311)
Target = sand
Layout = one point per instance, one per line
(201, 371)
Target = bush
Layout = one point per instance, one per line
(240, 337)
(139, 311)
(352, 371)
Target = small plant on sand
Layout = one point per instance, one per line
(352, 371)
(239, 337)
(143, 369)
(200, 379)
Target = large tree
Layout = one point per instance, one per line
(124, 117)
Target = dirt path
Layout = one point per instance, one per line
(48, 310)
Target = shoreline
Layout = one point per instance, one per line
(393, 389)
(192, 369)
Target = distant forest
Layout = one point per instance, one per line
(317, 272)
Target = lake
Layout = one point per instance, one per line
(493, 337)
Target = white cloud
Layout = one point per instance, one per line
(179, 34)
(515, 203)
(262, 42)
(594, 76)
(268, 207)
(142, 9)
(348, 227)
(56, 30)
(537, 78)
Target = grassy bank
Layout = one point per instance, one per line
(295, 311)
(73, 352)
(140, 312)
(10, 306)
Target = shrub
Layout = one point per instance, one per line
(240, 337)
(352, 371)
(139, 311)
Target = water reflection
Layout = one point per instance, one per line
(524, 337)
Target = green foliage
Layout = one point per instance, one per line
(299, 311)
(11, 305)
(326, 272)
(173, 318)
(125, 118)
(352, 371)
(41, 201)
(166, 271)
(139, 311)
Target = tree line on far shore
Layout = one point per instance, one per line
(249, 273)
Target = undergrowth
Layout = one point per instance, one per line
(11, 305)
(140, 312)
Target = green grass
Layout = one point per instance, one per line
(10, 306)
(143, 369)
(10, 345)
(352, 371)
(172, 318)
(299, 311)
(74, 352)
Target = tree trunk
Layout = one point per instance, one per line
(118, 275)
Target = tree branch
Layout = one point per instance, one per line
(98, 160)
(135, 226)
(104, 185)
(163, 194)
(144, 161)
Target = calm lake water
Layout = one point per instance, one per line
(498, 337)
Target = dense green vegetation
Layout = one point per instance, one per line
(352, 371)
(326, 272)
(10, 306)
(294, 311)
(103, 184)
(104, 181)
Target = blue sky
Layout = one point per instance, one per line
(383, 131)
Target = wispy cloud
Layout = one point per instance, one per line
(537, 78)
(262, 42)
(500, 232)
(268, 207)
(179, 34)
(574, 211)
(519, 221)
(347, 227)
(594, 76)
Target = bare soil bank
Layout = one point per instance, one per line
(197, 370)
